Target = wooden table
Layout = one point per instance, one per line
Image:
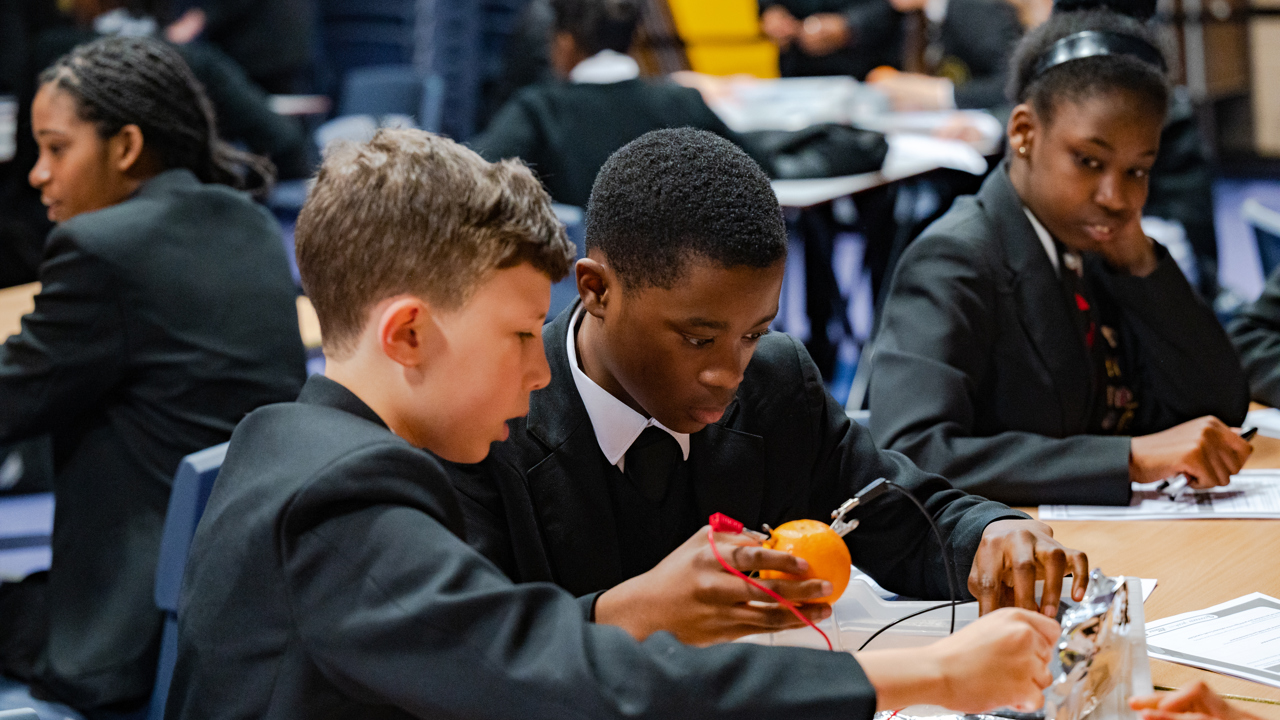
(20, 300)
(1199, 563)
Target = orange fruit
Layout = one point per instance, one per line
(818, 545)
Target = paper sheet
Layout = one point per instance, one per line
(1267, 421)
(1240, 637)
(1252, 494)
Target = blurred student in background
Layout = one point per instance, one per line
(566, 129)
(833, 37)
(1036, 345)
(166, 313)
(967, 56)
(1256, 334)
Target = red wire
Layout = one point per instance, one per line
(711, 538)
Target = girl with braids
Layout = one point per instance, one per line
(1036, 346)
(167, 312)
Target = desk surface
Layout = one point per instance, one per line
(1199, 563)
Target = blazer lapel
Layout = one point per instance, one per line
(1042, 309)
(727, 468)
(568, 488)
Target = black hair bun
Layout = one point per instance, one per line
(1137, 9)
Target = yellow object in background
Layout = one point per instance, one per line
(722, 37)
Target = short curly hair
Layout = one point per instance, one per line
(1080, 79)
(673, 195)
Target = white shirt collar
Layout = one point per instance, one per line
(616, 425)
(935, 10)
(605, 67)
(1045, 239)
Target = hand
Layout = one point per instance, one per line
(186, 28)
(1194, 702)
(1132, 251)
(824, 33)
(779, 25)
(1205, 449)
(692, 597)
(913, 91)
(907, 6)
(1013, 554)
(1002, 660)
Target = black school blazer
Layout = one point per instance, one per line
(981, 376)
(539, 508)
(327, 579)
(162, 320)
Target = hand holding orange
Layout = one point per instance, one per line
(818, 545)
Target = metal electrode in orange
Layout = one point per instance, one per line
(818, 545)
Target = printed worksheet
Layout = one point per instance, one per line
(1252, 494)
(1240, 638)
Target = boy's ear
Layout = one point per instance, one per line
(404, 329)
(596, 285)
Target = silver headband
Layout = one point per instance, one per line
(1094, 43)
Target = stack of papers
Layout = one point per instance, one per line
(1252, 494)
(1240, 638)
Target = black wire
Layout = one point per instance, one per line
(942, 547)
(952, 605)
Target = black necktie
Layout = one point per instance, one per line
(651, 461)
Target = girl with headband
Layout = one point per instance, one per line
(166, 313)
(1036, 346)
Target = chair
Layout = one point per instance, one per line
(191, 487)
(1266, 232)
(565, 292)
(393, 90)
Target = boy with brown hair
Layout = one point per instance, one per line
(329, 577)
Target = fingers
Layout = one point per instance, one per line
(1048, 629)
(797, 591)
(758, 618)
(984, 578)
(754, 558)
(1144, 702)
(1079, 572)
(1169, 715)
(1054, 560)
(1024, 574)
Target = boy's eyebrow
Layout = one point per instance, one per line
(710, 324)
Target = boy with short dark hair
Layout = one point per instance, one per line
(670, 348)
(328, 577)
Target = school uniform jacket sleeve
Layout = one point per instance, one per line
(394, 609)
(943, 372)
(893, 542)
(70, 348)
(1256, 334)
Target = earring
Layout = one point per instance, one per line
(1022, 150)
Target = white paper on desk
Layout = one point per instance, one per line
(1267, 421)
(1252, 495)
(1240, 637)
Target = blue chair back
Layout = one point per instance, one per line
(393, 90)
(1266, 233)
(191, 487)
(565, 292)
